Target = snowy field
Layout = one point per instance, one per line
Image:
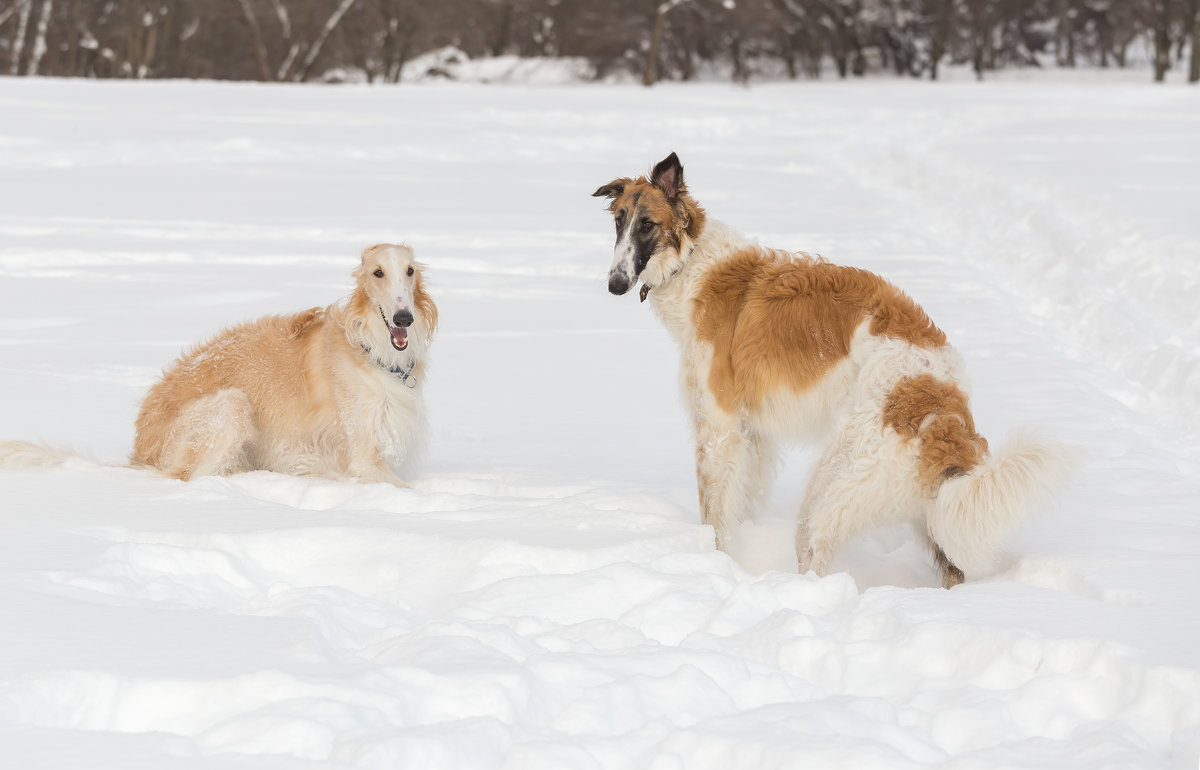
(545, 597)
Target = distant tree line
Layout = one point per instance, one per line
(299, 40)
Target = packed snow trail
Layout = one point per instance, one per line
(545, 595)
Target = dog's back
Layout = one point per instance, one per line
(802, 346)
(250, 381)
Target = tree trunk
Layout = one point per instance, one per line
(69, 65)
(787, 49)
(682, 51)
(169, 35)
(402, 54)
(149, 48)
(39, 39)
(260, 48)
(287, 68)
(18, 48)
(741, 73)
(980, 31)
(837, 46)
(1194, 69)
(1162, 41)
(140, 39)
(1068, 21)
(503, 36)
(132, 35)
(391, 26)
(941, 33)
(1104, 31)
(851, 58)
(397, 38)
(285, 21)
(310, 58)
(650, 72)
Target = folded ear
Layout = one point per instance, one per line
(668, 176)
(611, 190)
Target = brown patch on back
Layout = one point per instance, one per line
(779, 321)
(935, 413)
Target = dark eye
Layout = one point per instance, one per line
(378, 273)
(410, 270)
(647, 225)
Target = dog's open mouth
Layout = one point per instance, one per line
(399, 333)
(399, 337)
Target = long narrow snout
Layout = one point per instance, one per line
(619, 282)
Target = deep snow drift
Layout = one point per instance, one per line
(546, 597)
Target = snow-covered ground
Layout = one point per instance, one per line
(546, 597)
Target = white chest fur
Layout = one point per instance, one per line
(393, 414)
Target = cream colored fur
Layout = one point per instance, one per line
(307, 394)
(313, 393)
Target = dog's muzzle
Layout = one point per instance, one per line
(619, 283)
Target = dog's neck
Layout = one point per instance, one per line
(404, 372)
(671, 299)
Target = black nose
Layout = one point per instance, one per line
(618, 283)
(403, 318)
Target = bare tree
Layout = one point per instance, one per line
(1064, 33)
(6, 13)
(650, 72)
(1194, 65)
(260, 48)
(315, 49)
(39, 38)
(649, 39)
(942, 25)
(141, 39)
(399, 23)
(18, 45)
(298, 57)
(1161, 26)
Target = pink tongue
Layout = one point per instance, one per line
(399, 337)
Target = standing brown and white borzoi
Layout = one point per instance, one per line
(333, 391)
(780, 346)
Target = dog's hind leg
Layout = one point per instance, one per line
(863, 479)
(210, 437)
(949, 573)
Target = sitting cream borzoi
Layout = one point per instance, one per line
(333, 391)
(779, 346)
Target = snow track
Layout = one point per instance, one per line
(545, 596)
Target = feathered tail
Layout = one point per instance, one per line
(24, 455)
(974, 512)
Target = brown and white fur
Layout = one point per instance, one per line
(780, 346)
(333, 391)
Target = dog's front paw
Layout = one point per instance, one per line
(378, 476)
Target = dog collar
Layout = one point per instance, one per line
(405, 373)
(645, 291)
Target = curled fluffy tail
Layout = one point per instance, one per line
(974, 512)
(23, 455)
